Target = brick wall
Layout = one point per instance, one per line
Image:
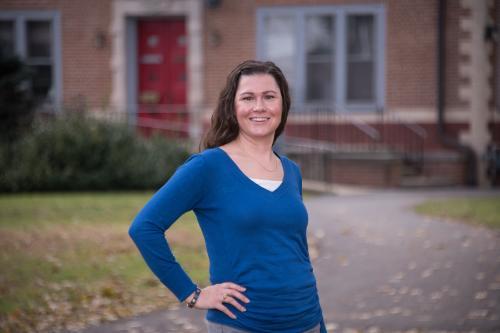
(444, 172)
(229, 38)
(86, 72)
(411, 30)
(366, 173)
(365, 169)
(392, 134)
(411, 53)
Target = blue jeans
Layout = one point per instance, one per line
(220, 328)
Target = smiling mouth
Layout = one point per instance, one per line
(259, 119)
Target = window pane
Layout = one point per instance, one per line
(42, 81)
(38, 39)
(360, 59)
(319, 82)
(360, 37)
(280, 44)
(6, 38)
(319, 35)
(360, 87)
(319, 58)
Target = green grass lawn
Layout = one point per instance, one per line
(478, 211)
(67, 260)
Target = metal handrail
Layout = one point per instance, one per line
(398, 136)
(371, 131)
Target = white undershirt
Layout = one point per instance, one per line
(268, 184)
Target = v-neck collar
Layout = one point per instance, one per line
(244, 178)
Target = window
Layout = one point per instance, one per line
(360, 58)
(319, 58)
(6, 38)
(332, 55)
(281, 44)
(33, 36)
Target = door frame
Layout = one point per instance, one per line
(132, 70)
(126, 14)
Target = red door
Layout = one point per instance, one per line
(162, 76)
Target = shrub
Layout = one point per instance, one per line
(75, 152)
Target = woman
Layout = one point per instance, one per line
(248, 202)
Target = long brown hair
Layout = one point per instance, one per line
(224, 125)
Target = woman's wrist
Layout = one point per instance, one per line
(189, 298)
(193, 298)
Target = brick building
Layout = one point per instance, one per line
(383, 86)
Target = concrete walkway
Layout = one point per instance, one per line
(382, 268)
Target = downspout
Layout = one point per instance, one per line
(445, 140)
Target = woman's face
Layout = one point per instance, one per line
(258, 105)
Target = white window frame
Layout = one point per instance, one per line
(20, 41)
(340, 13)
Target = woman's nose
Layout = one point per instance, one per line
(259, 104)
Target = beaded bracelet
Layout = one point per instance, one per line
(195, 298)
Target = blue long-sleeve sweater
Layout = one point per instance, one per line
(254, 237)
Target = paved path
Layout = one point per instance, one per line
(382, 268)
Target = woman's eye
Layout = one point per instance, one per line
(247, 98)
(269, 97)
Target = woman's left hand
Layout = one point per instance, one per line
(213, 297)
